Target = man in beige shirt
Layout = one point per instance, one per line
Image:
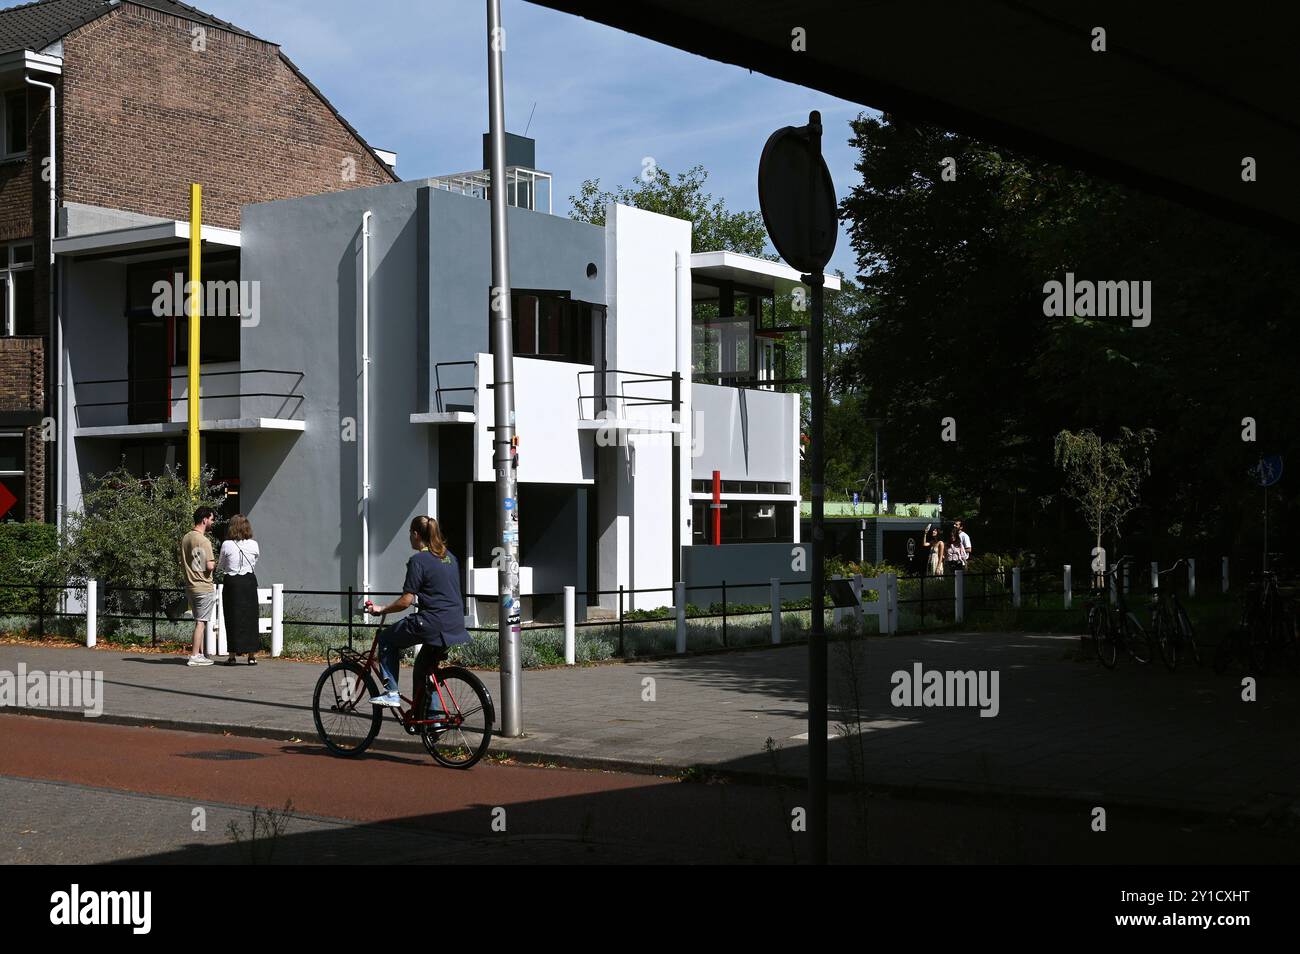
(197, 563)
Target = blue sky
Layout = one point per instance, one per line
(411, 75)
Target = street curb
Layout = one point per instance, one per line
(1001, 797)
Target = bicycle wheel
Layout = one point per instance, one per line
(1186, 635)
(345, 720)
(461, 740)
(1103, 640)
(1136, 639)
(1166, 638)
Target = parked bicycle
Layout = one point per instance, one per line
(1170, 624)
(1114, 627)
(452, 710)
(1265, 636)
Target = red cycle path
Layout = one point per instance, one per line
(718, 821)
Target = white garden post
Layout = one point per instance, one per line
(1069, 594)
(277, 619)
(213, 627)
(1191, 578)
(1155, 574)
(92, 612)
(679, 601)
(570, 647)
(775, 599)
(1015, 587)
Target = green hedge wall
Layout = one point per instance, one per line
(19, 543)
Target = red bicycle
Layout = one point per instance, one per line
(451, 712)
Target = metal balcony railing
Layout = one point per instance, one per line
(153, 400)
(611, 393)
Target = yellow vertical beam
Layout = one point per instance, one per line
(195, 308)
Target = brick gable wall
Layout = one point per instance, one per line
(144, 115)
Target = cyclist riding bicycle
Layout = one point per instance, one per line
(433, 583)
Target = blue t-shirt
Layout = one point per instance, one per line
(435, 583)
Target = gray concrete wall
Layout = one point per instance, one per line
(430, 277)
(546, 251)
(744, 563)
(303, 491)
(94, 293)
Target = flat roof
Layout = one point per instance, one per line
(748, 270)
(142, 238)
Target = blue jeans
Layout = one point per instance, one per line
(405, 633)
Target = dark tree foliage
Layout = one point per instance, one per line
(953, 273)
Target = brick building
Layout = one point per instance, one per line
(148, 96)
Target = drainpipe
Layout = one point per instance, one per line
(55, 322)
(365, 404)
(683, 441)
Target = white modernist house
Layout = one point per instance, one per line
(351, 390)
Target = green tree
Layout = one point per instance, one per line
(1103, 478)
(715, 227)
(953, 271)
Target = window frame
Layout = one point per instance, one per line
(7, 154)
(20, 508)
(8, 269)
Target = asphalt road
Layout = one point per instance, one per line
(79, 792)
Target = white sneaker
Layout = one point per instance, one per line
(198, 661)
(390, 699)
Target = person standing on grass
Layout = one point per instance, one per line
(197, 563)
(239, 591)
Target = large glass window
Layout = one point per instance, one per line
(146, 300)
(554, 327)
(744, 521)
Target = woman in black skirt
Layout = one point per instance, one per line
(239, 591)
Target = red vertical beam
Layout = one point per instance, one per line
(717, 508)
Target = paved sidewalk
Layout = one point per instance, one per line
(1065, 730)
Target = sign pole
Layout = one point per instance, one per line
(194, 311)
(505, 445)
(797, 198)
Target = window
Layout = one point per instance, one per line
(551, 326)
(17, 288)
(741, 487)
(220, 329)
(13, 473)
(744, 521)
(14, 108)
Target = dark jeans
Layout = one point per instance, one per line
(405, 633)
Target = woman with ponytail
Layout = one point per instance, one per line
(433, 584)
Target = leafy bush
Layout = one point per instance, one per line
(128, 532)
